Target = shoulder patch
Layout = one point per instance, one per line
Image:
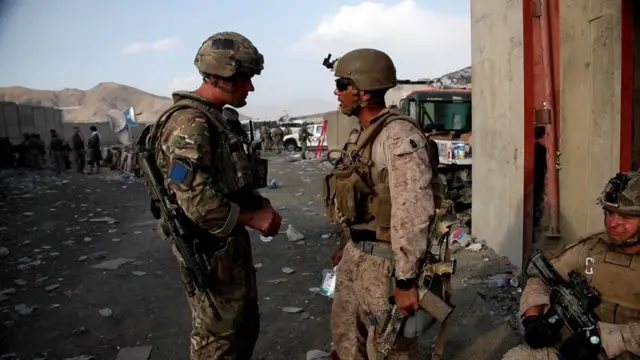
(410, 145)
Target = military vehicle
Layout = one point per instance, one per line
(445, 116)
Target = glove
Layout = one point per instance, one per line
(580, 347)
(539, 333)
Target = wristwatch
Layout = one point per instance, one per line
(405, 283)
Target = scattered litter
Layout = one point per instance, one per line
(258, 265)
(276, 281)
(292, 310)
(23, 309)
(106, 219)
(266, 238)
(326, 236)
(134, 353)
(28, 213)
(82, 357)
(113, 264)
(83, 258)
(475, 247)
(314, 289)
(106, 312)
(54, 306)
(139, 273)
(293, 234)
(288, 270)
(80, 330)
(115, 239)
(86, 239)
(51, 287)
(272, 184)
(20, 282)
(3, 251)
(318, 355)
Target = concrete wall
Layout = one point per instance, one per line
(498, 126)
(107, 136)
(590, 105)
(394, 95)
(16, 120)
(338, 128)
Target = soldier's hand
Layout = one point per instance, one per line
(538, 333)
(267, 220)
(406, 301)
(336, 257)
(580, 347)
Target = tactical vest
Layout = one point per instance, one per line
(235, 171)
(351, 195)
(615, 276)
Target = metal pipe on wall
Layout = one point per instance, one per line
(549, 106)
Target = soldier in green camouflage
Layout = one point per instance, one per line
(303, 138)
(214, 179)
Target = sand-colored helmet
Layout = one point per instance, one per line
(368, 69)
(225, 53)
(622, 194)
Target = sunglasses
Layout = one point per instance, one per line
(342, 84)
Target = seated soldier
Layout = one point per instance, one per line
(610, 262)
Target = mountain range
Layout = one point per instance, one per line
(91, 105)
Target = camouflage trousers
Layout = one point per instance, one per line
(59, 157)
(361, 295)
(279, 145)
(34, 159)
(523, 352)
(235, 295)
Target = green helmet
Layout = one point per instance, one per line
(622, 194)
(225, 53)
(368, 69)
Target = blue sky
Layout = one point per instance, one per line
(78, 44)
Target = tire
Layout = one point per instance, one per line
(291, 145)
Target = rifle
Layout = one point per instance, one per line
(431, 276)
(182, 230)
(573, 300)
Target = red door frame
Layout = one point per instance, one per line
(534, 96)
(626, 84)
(531, 63)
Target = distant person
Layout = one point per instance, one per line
(95, 151)
(278, 135)
(57, 152)
(77, 146)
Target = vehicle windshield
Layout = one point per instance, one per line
(440, 115)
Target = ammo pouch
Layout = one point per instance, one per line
(380, 206)
(349, 192)
(233, 169)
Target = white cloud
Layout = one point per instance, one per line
(421, 42)
(160, 45)
(188, 82)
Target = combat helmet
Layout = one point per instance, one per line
(622, 194)
(368, 69)
(226, 53)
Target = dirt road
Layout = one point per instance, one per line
(60, 300)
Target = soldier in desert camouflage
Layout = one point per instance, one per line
(381, 192)
(217, 191)
(610, 260)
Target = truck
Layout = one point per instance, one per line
(445, 117)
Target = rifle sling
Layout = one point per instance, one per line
(440, 339)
